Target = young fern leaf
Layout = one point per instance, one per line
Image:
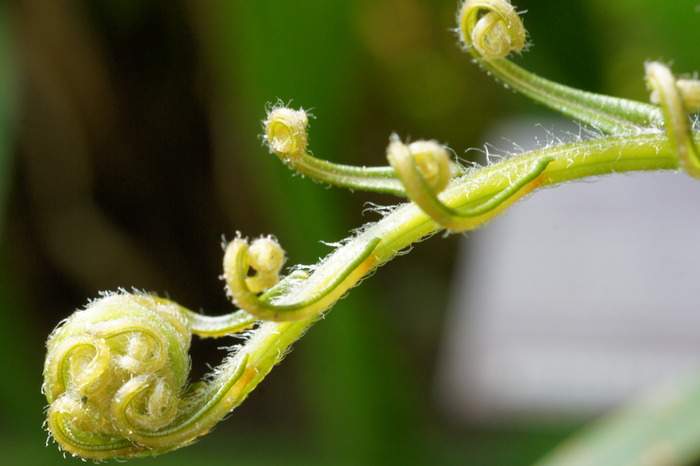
(492, 29)
(116, 373)
(115, 379)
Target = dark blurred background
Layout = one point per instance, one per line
(129, 146)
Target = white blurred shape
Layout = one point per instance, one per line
(575, 300)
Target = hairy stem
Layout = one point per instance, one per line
(408, 224)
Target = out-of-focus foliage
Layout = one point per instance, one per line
(129, 139)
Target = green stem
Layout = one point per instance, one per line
(376, 179)
(218, 326)
(203, 405)
(611, 115)
(408, 224)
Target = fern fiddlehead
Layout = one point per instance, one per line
(491, 29)
(116, 373)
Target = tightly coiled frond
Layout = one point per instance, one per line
(491, 28)
(285, 133)
(115, 373)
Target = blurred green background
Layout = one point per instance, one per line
(129, 145)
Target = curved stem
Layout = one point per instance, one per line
(218, 326)
(135, 396)
(377, 179)
(611, 115)
(237, 376)
(408, 224)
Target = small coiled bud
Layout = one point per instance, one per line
(491, 28)
(420, 163)
(115, 373)
(285, 132)
(266, 257)
(431, 159)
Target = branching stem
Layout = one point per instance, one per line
(116, 373)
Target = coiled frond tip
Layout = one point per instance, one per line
(286, 134)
